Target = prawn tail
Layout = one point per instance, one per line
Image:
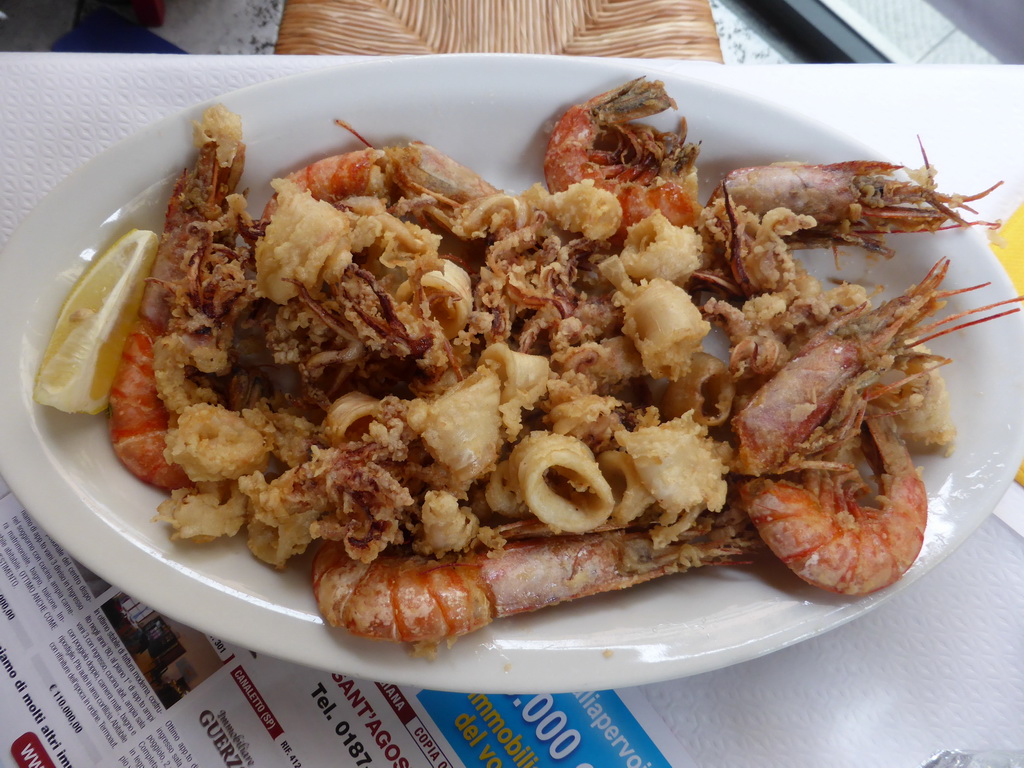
(138, 419)
(339, 176)
(634, 100)
(399, 599)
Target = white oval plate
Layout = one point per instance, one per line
(492, 113)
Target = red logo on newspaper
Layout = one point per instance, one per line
(28, 750)
(398, 702)
(259, 706)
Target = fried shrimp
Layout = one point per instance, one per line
(415, 599)
(818, 527)
(648, 170)
(822, 393)
(193, 292)
(850, 202)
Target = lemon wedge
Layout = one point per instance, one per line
(81, 359)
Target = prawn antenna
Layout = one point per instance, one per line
(354, 132)
(953, 318)
(964, 199)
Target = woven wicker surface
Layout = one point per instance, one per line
(674, 29)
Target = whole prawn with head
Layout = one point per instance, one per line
(796, 435)
(193, 293)
(647, 170)
(819, 528)
(415, 169)
(414, 599)
(853, 203)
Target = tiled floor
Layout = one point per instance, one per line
(905, 31)
(911, 32)
(995, 24)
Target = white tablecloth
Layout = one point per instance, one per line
(940, 666)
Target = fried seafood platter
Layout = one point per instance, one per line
(613, 373)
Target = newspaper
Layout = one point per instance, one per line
(91, 677)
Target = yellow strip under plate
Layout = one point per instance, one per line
(1011, 254)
